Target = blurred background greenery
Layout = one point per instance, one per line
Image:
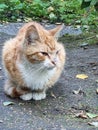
(70, 12)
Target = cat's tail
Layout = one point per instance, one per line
(11, 90)
(14, 91)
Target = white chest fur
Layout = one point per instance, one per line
(34, 76)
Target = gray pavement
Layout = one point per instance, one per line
(55, 112)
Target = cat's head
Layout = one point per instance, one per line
(40, 46)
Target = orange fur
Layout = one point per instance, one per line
(33, 47)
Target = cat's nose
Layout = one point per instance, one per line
(51, 65)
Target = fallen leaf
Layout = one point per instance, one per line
(49, 9)
(97, 90)
(97, 81)
(84, 44)
(52, 94)
(91, 115)
(93, 124)
(76, 92)
(79, 91)
(1, 121)
(81, 115)
(8, 103)
(21, 104)
(81, 76)
(93, 64)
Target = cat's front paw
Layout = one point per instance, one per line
(27, 96)
(39, 96)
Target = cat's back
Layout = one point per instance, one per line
(9, 45)
(10, 49)
(9, 54)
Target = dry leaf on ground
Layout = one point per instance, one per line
(79, 91)
(81, 115)
(1, 121)
(81, 76)
(97, 90)
(7, 103)
(93, 124)
(85, 115)
(96, 81)
(91, 115)
(76, 91)
(52, 94)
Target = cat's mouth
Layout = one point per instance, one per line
(49, 66)
(43, 68)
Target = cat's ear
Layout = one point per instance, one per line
(31, 34)
(56, 31)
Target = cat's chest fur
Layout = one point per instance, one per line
(33, 76)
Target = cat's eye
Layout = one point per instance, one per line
(45, 53)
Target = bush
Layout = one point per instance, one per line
(65, 11)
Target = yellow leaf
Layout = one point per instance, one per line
(81, 76)
(49, 9)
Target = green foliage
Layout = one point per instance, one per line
(11, 10)
(88, 3)
(66, 11)
(36, 9)
(91, 8)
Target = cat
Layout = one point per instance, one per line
(33, 61)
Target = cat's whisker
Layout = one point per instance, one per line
(39, 69)
(36, 69)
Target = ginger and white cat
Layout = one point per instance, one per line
(33, 61)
